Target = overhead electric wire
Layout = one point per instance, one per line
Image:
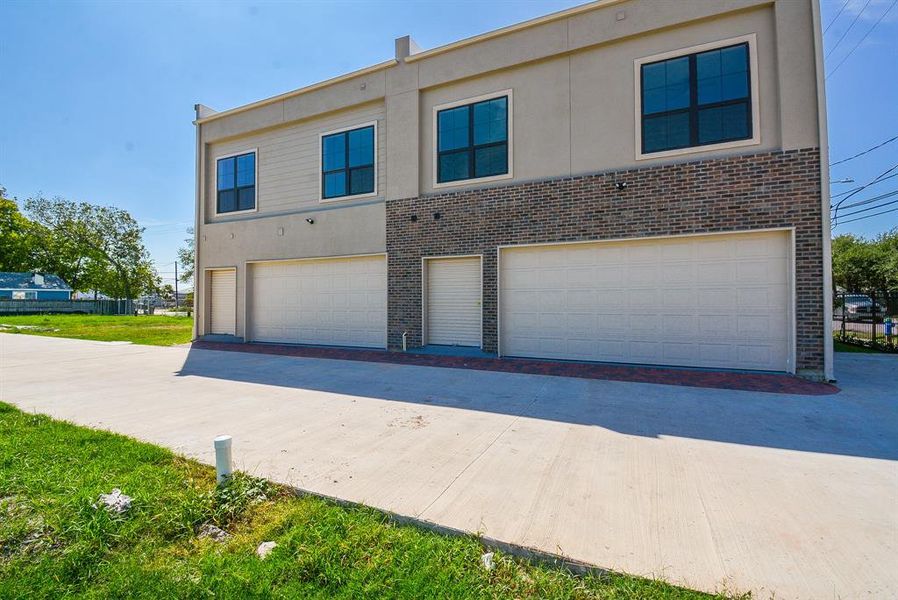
(838, 14)
(869, 200)
(891, 210)
(863, 210)
(850, 27)
(861, 187)
(867, 151)
(877, 179)
(869, 31)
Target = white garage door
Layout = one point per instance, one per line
(335, 301)
(223, 309)
(712, 301)
(453, 301)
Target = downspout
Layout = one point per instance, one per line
(823, 134)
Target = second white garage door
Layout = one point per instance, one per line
(711, 301)
(334, 301)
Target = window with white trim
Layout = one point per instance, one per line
(347, 163)
(236, 185)
(472, 140)
(696, 99)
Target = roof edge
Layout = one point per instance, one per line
(549, 18)
(298, 92)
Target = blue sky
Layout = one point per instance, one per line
(97, 97)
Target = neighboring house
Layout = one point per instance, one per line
(625, 181)
(33, 286)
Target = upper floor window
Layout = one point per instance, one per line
(697, 99)
(347, 163)
(236, 183)
(472, 140)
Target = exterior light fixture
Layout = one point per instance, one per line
(620, 185)
(310, 221)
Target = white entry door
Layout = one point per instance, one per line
(331, 301)
(453, 301)
(719, 301)
(223, 313)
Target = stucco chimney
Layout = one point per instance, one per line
(38, 279)
(405, 47)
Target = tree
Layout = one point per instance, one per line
(167, 292)
(186, 256)
(861, 265)
(17, 237)
(94, 247)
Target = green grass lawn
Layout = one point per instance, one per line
(153, 330)
(55, 543)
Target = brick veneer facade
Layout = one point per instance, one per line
(758, 191)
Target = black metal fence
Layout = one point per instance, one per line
(87, 307)
(867, 319)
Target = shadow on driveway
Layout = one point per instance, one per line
(859, 421)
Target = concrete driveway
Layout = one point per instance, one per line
(711, 489)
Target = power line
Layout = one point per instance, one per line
(869, 31)
(891, 210)
(863, 210)
(880, 177)
(838, 14)
(877, 179)
(867, 151)
(850, 27)
(869, 200)
(861, 187)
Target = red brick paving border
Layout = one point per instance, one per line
(724, 380)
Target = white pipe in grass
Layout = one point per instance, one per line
(223, 467)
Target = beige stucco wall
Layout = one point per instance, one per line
(288, 162)
(336, 231)
(574, 111)
(577, 113)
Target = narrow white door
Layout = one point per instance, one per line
(223, 317)
(453, 303)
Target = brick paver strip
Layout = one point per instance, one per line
(726, 380)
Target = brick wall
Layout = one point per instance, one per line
(777, 189)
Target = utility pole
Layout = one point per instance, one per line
(176, 286)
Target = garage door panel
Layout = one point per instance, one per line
(716, 301)
(223, 313)
(320, 301)
(453, 300)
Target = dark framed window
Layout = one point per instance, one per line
(472, 140)
(236, 183)
(696, 100)
(347, 163)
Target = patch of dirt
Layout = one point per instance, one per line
(416, 422)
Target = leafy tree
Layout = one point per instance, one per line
(167, 292)
(186, 255)
(94, 247)
(17, 237)
(861, 265)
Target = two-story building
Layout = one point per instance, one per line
(627, 181)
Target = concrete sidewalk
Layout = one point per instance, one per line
(774, 493)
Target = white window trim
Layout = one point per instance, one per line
(755, 138)
(321, 137)
(255, 207)
(509, 135)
